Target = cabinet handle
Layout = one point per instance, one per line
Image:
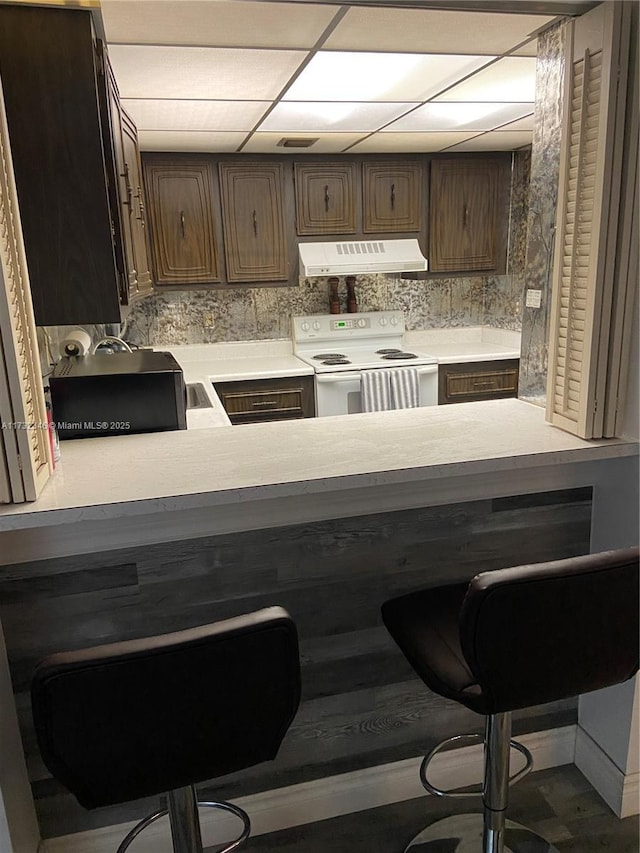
(465, 216)
(393, 196)
(182, 223)
(326, 198)
(255, 223)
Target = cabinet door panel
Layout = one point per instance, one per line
(182, 230)
(136, 211)
(463, 215)
(392, 197)
(325, 198)
(253, 221)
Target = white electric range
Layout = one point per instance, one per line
(340, 347)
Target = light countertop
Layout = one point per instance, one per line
(107, 478)
(466, 344)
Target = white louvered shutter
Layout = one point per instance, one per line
(586, 285)
(25, 457)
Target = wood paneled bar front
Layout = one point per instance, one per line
(328, 537)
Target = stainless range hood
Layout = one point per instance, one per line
(352, 258)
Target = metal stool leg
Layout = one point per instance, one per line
(185, 824)
(183, 818)
(488, 832)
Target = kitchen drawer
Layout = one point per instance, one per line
(257, 400)
(480, 380)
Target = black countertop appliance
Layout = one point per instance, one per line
(118, 394)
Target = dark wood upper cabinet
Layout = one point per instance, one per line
(49, 70)
(464, 214)
(135, 207)
(255, 231)
(325, 198)
(392, 196)
(180, 194)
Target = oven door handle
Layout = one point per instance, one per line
(351, 375)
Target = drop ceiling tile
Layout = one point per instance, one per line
(318, 116)
(195, 115)
(327, 143)
(150, 71)
(448, 115)
(409, 142)
(528, 49)
(225, 23)
(432, 31)
(525, 123)
(347, 76)
(181, 140)
(510, 79)
(496, 140)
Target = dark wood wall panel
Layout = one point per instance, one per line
(361, 703)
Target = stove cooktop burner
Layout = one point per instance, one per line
(334, 360)
(322, 355)
(398, 355)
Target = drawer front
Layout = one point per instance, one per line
(462, 383)
(267, 400)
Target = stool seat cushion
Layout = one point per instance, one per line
(523, 636)
(134, 719)
(424, 625)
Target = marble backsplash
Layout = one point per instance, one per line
(259, 313)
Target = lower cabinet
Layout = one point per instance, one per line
(257, 400)
(477, 380)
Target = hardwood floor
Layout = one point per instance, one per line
(558, 803)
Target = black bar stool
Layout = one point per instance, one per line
(511, 639)
(135, 719)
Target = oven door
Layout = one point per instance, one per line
(339, 393)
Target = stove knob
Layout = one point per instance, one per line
(383, 321)
(361, 323)
(394, 321)
(304, 326)
(316, 325)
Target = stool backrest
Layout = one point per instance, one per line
(137, 718)
(541, 633)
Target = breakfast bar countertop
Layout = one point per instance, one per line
(126, 476)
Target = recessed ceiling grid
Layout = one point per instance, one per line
(218, 75)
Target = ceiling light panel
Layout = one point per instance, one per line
(380, 143)
(496, 140)
(345, 76)
(510, 79)
(328, 143)
(225, 23)
(195, 115)
(319, 116)
(455, 116)
(432, 31)
(149, 71)
(181, 140)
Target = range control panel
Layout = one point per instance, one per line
(336, 326)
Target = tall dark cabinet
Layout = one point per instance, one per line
(62, 114)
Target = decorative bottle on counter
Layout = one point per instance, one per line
(352, 304)
(334, 299)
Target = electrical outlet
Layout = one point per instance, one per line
(534, 298)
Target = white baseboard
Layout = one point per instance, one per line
(329, 797)
(619, 791)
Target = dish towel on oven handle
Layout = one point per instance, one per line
(383, 390)
(375, 390)
(405, 388)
